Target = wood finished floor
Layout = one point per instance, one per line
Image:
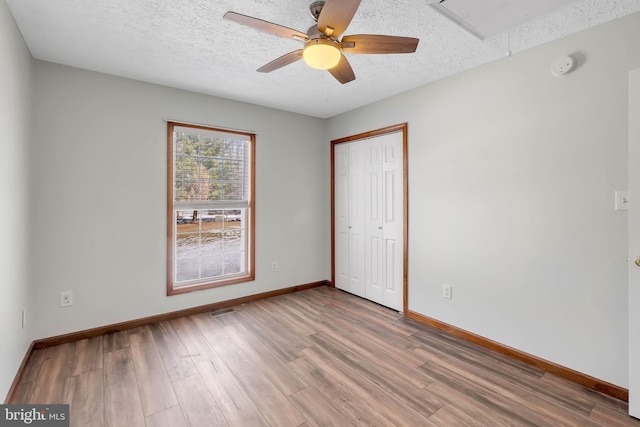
(320, 357)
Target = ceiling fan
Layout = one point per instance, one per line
(323, 48)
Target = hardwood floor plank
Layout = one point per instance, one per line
(193, 340)
(208, 326)
(86, 399)
(272, 404)
(305, 325)
(278, 337)
(578, 392)
(353, 408)
(524, 408)
(32, 369)
(449, 344)
(53, 379)
(22, 392)
(610, 417)
(156, 391)
(115, 341)
(376, 348)
(172, 417)
(373, 315)
(88, 356)
(451, 417)
(475, 409)
(389, 377)
(175, 356)
(232, 399)
(353, 320)
(390, 406)
(122, 405)
(518, 390)
(197, 403)
(317, 410)
(263, 357)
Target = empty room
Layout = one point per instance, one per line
(301, 213)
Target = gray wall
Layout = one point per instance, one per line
(15, 74)
(512, 174)
(98, 194)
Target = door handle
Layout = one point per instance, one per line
(638, 261)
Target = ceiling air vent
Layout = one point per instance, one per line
(487, 18)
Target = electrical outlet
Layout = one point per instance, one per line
(66, 298)
(274, 266)
(446, 291)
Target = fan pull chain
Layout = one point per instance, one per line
(326, 89)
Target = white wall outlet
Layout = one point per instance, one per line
(446, 291)
(274, 266)
(66, 298)
(621, 200)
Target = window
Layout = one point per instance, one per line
(210, 194)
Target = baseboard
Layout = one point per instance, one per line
(561, 371)
(16, 379)
(123, 326)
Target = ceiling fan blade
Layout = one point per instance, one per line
(343, 71)
(374, 43)
(265, 26)
(286, 59)
(336, 16)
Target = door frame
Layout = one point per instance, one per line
(634, 244)
(404, 128)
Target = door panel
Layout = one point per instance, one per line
(341, 216)
(357, 179)
(393, 221)
(373, 224)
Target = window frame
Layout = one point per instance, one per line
(249, 274)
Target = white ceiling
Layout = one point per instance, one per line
(187, 44)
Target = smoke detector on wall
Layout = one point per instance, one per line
(562, 66)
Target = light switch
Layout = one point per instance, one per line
(622, 200)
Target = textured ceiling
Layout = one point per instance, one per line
(187, 44)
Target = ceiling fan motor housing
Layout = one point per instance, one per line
(315, 8)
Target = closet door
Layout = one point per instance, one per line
(356, 227)
(374, 202)
(384, 221)
(392, 221)
(349, 217)
(341, 215)
(369, 218)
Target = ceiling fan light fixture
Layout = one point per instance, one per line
(321, 53)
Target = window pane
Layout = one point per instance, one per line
(208, 167)
(212, 266)
(187, 269)
(209, 243)
(233, 263)
(233, 241)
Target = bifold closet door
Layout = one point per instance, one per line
(349, 217)
(368, 218)
(384, 247)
